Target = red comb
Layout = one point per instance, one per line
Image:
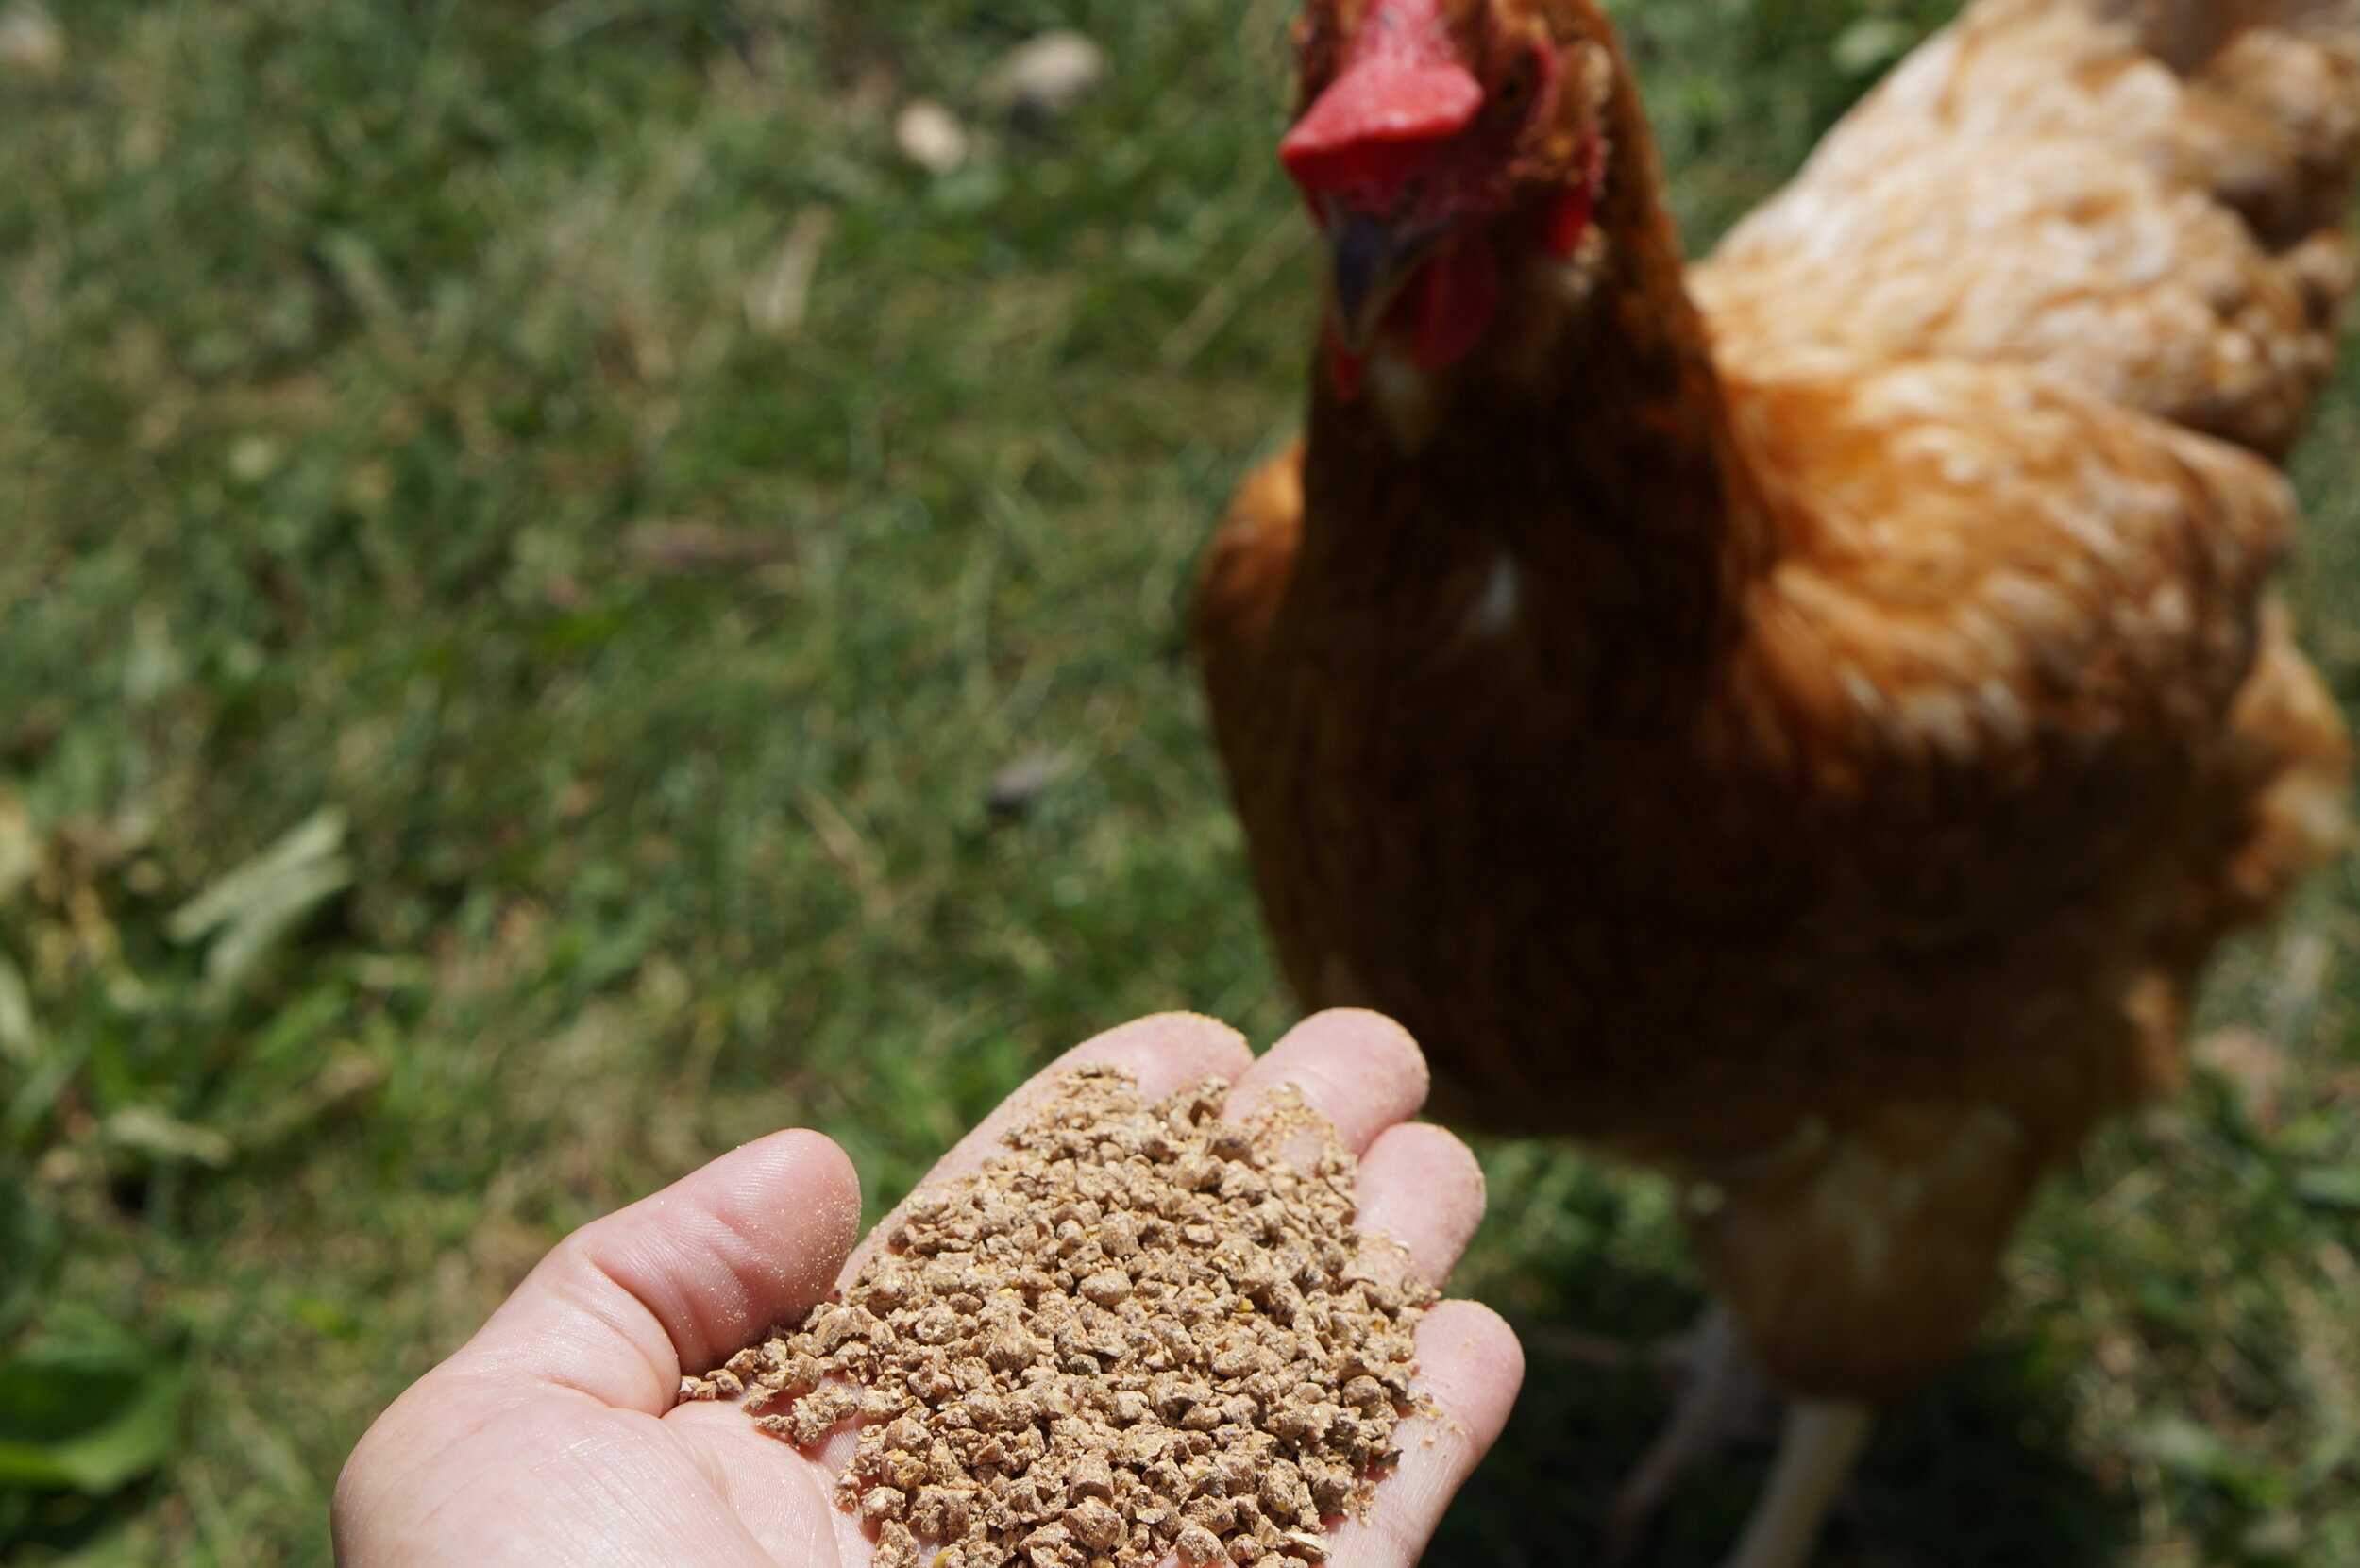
(1400, 87)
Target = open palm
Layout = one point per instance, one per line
(552, 1437)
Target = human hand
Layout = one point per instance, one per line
(552, 1436)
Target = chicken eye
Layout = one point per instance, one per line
(1515, 91)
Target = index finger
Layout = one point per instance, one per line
(1359, 1070)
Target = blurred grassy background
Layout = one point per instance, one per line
(493, 710)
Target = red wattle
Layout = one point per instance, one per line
(1343, 366)
(1569, 219)
(1461, 289)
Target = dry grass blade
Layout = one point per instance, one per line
(777, 302)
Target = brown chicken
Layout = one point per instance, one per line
(1802, 720)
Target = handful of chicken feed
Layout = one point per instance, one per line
(1142, 1330)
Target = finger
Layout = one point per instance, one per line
(681, 1280)
(1422, 1188)
(1164, 1052)
(1359, 1070)
(1470, 1366)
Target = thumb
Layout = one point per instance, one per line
(678, 1281)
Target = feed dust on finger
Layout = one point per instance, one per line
(1143, 1331)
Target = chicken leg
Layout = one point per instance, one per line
(1819, 1442)
(1704, 1422)
(1823, 1438)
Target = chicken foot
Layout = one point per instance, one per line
(1716, 1406)
(1721, 1404)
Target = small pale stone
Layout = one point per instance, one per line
(31, 43)
(930, 136)
(1048, 74)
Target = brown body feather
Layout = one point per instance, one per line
(1811, 742)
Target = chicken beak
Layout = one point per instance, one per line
(1371, 259)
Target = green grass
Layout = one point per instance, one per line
(363, 367)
